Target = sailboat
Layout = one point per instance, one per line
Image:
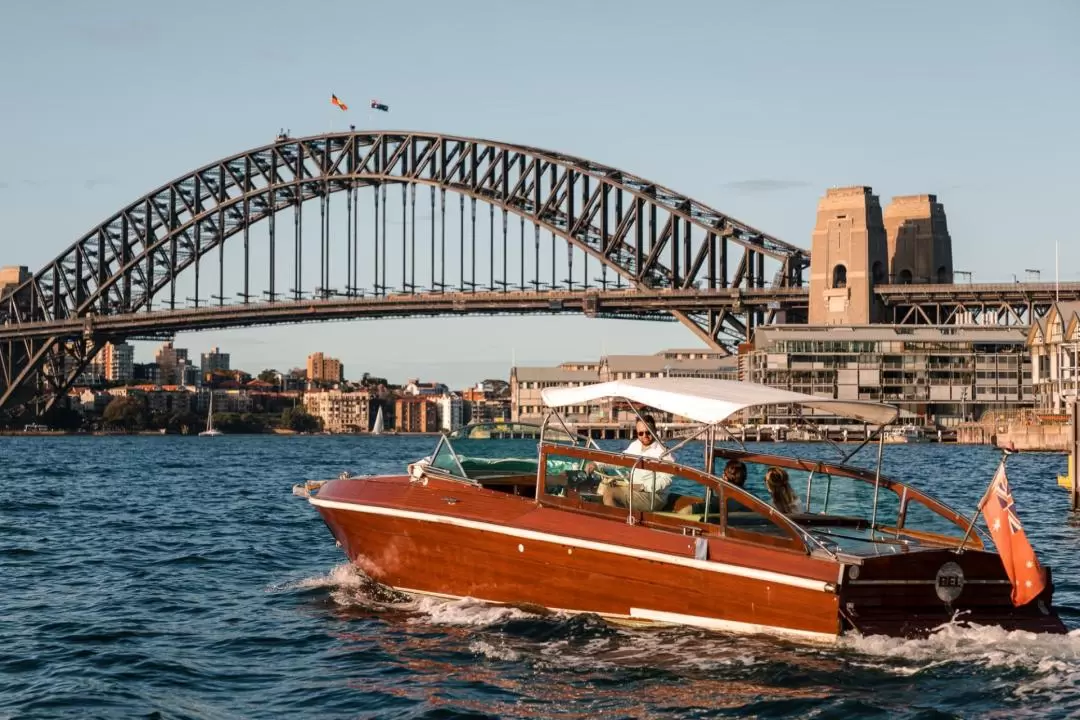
(377, 428)
(210, 431)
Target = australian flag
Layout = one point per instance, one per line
(1016, 553)
(376, 105)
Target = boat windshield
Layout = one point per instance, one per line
(515, 430)
(486, 452)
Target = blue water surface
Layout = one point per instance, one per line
(179, 577)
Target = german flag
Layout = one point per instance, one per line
(334, 101)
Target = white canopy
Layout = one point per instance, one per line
(711, 401)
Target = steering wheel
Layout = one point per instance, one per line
(577, 479)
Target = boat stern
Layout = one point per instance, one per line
(912, 594)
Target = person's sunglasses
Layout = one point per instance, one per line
(644, 433)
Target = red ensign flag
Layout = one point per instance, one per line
(1017, 555)
(335, 101)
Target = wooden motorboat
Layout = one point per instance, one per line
(863, 553)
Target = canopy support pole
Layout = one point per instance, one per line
(877, 484)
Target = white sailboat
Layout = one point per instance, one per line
(377, 428)
(210, 431)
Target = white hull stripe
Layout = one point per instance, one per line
(706, 565)
(728, 625)
(652, 617)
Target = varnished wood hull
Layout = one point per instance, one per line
(444, 538)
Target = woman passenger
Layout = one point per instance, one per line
(735, 472)
(783, 497)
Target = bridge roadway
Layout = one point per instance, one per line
(1015, 292)
(630, 303)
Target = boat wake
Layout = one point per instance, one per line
(1038, 665)
(1050, 663)
(351, 588)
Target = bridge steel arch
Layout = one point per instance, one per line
(650, 237)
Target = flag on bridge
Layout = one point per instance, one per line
(334, 100)
(376, 105)
(1017, 555)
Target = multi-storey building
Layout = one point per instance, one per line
(483, 404)
(416, 414)
(213, 360)
(451, 411)
(1054, 344)
(119, 362)
(324, 370)
(173, 362)
(340, 412)
(940, 374)
(527, 383)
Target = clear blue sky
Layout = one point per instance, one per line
(754, 108)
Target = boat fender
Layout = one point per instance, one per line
(701, 549)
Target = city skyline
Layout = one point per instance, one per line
(966, 135)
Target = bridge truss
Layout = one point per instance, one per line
(235, 242)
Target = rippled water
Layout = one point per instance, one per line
(179, 577)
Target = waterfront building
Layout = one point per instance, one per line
(323, 370)
(213, 360)
(146, 373)
(527, 383)
(118, 360)
(1054, 344)
(172, 361)
(483, 404)
(92, 401)
(340, 411)
(159, 399)
(413, 386)
(416, 414)
(451, 411)
(936, 374)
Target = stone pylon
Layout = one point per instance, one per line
(919, 246)
(847, 257)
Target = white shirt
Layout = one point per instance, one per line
(649, 480)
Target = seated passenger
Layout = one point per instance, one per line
(735, 472)
(649, 488)
(783, 497)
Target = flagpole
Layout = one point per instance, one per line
(982, 501)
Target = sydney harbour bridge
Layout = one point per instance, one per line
(360, 224)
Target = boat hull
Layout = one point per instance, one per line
(447, 539)
(600, 567)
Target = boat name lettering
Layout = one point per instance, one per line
(949, 582)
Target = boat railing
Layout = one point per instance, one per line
(561, 466)
(900, 510)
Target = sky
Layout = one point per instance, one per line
(753, 108)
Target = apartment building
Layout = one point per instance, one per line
(118, 360)
(1054, 345)
(341, 412)
(417, 414)
(941, 374)
(324, 370)
(527, 383)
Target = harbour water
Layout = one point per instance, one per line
(178, 577)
